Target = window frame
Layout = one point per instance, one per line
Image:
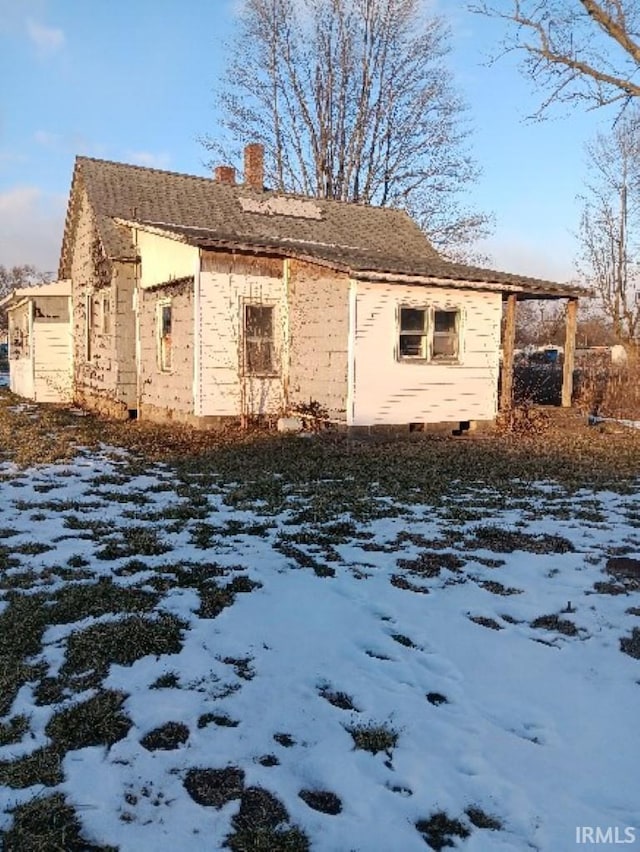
(455, 336)
(272, 372)
(429, 334)
(97, 307)
(19, 335)
(89, 311)
(105, 314)
(165, 365)
(423, 334)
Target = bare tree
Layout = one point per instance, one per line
(353, 101)
(610, 225)
(579, 51)
(539, 322)
(17, 276)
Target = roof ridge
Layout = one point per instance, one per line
(80, 158)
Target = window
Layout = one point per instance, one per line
(445, 335)
(413, 333)
(98, 320)
(427, 334)
(19, 340)
(164, 336)
(105, 314)
(90, 317)
(259, 355)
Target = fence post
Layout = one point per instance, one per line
(508, 345)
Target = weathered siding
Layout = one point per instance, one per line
(105, 382)
(385, 390)
(225, 282)
(123, 334)
(166, 394)
(319, 336)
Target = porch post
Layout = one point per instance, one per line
(569, 352)
(508, 345)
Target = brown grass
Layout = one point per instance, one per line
(568, 451)
(608, 391)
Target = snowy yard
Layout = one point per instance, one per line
(189, 662)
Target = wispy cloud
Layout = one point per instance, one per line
(46, 138)
(31, 224)
(68, 143)
(9, 157)
(148, 158)
(48, 40)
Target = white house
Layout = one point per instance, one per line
(200, 300)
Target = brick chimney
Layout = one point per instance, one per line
(254, 166)
(224, 174)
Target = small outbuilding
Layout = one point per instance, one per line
(40, 342)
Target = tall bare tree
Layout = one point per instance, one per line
(610, 225)
(579, 51)
(353, 101)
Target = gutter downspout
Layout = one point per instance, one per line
(32, 348)
(197, 340)
(136, 311)
(351, 354)
(286, 335)
(72, 354)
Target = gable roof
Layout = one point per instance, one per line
(203, 212)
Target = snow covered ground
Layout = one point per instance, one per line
(430, 677)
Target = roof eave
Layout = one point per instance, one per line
(546, 290)
(23, 294)
(523, 286)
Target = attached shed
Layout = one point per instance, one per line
(271, 330)
(40, 342)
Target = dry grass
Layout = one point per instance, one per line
(609, 391)
(569, 451)
(47, 824)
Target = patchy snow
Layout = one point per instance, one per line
(535, 727)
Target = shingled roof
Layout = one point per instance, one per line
(203, 212)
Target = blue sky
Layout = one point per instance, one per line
(132, 81)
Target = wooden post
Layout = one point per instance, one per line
(508, 345)
(569, 352)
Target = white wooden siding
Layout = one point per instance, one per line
(164, 259)
(52, 362)
(168, 390)
(223, 391)
(385, 390)
(21, 377)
